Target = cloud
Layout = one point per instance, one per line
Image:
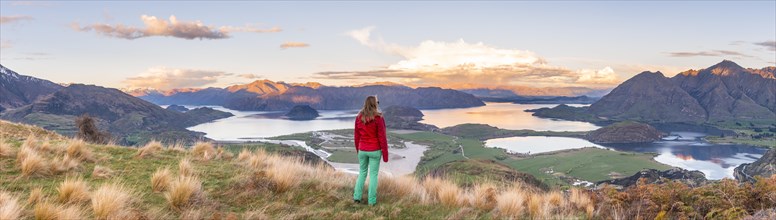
(249, 76)
(173, 27)
(711, 53)
(287, 45)
(770, 45)
(170, 78)
(13, 18)
(434, 63)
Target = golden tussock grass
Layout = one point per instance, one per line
(450, 195)
(111, 201)
(185, 168)
(73, 191)
(400, 187)
(255, 215)
(161, 179)
(77, 148)
(64, 164)
(510, 203)
(244, 155)
(32, 164)
(150, 149)
(178, 147)
(184, 192)
(285, 174)
(6, 150)
(483, 196)
(223, 154)
(101, 172)
(31, 142)
(203, 151)
(36, 196)
(9, 206)
(50, 211)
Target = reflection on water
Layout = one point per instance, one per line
(536, 144)
(503, 115)
(243, 125)
(690, 152)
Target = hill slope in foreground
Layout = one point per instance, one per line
(70, 179)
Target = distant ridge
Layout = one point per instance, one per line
(266, 95)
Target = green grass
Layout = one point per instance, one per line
(343, 156)
(591, 164)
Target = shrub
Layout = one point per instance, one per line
(183, 192)
(73, 190)
(161, 179)
(203, 151)
(111, 201)
(88, 131)
(150, 149)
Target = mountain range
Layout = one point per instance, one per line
(721, 92)
(130, 120)
(266, 95)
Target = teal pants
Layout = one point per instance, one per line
(367, 160)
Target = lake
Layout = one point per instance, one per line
(689, 151)
(250, 125)
(503, 115)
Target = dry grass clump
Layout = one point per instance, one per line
(450, 195)
(36, 196)
(483, 196)
(203, 151)
(177, 147)
(64, 164)
(77, 149)
(184, 192)
(49, 211)
(150, 149)
(285, 175)
(161, 179)
(244, 155)
(256, 215)
(73, 191)
(400, 187)
(510, 203)
(6, 150)
(9, 206)
(185, 168)
(101, 172)
(111, 201)
(222, 153)
(32, 164)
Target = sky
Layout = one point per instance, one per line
(173, 44)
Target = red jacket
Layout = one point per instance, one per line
(370, 136)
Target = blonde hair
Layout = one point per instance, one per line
(370, 110)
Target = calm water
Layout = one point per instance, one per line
(251, 124)
(503, 115)
(689, 151)
(538, 144)
(246, 125)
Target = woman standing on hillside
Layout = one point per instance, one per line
(371, 144)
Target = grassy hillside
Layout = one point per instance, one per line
(70, 179)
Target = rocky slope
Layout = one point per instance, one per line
(265, 95)
(404, 117)
(18, 90)
(765, 167)
(625, 132)
(302, 112)
(691, 178)
(129, 119)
